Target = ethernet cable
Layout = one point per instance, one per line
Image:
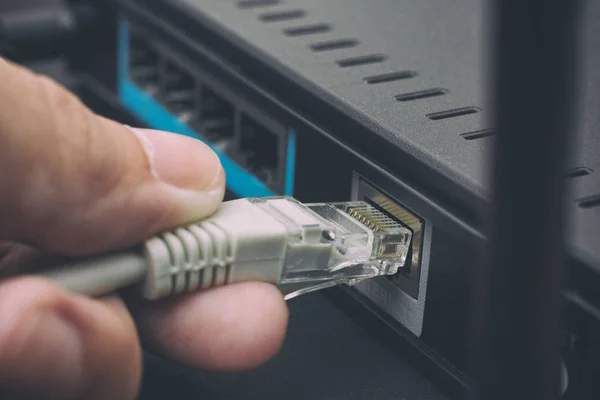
(298, 247)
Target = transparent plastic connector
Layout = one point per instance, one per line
(336, 243)
(298, 247)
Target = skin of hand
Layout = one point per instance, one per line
(73, 183)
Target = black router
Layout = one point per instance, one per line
(474, 124)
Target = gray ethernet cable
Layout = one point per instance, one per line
(298, 247)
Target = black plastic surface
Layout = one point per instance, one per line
(327, 355)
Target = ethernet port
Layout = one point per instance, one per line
(178, 91)
(143, 64)
(260, 148)
(407, 277)
(216, 119)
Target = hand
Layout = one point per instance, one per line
(73, 183)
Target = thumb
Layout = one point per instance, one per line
(73, 182)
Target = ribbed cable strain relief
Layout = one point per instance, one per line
(187, 259)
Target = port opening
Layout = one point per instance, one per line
(260, 148)
(144, 64)
(408, 277)
(216, 117)
(178, 91)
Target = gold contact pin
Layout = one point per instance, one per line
(372, 218)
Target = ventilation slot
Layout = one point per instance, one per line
(483, 133)
(282, 16)
(453, 113)
(334, 45)
(423, 94)
(257, 3)
(393, 76)
(307, 30)
(589, 202)
(363, 60)
(578, 172)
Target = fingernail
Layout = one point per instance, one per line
(190, 167)
(180, 161)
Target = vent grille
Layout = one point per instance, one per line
(257, 3)
(423, 94)
(430, 94)
(578, 172)
(480, 134)
(457, 112)
(392, 76)
(307, 30)
(334, 45)
(589, 201)
(361, 60)
(282, 16)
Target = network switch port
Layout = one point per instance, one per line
(178, 91)
(216, 118)
(407, 278)
(144, 64)
(260, 148)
